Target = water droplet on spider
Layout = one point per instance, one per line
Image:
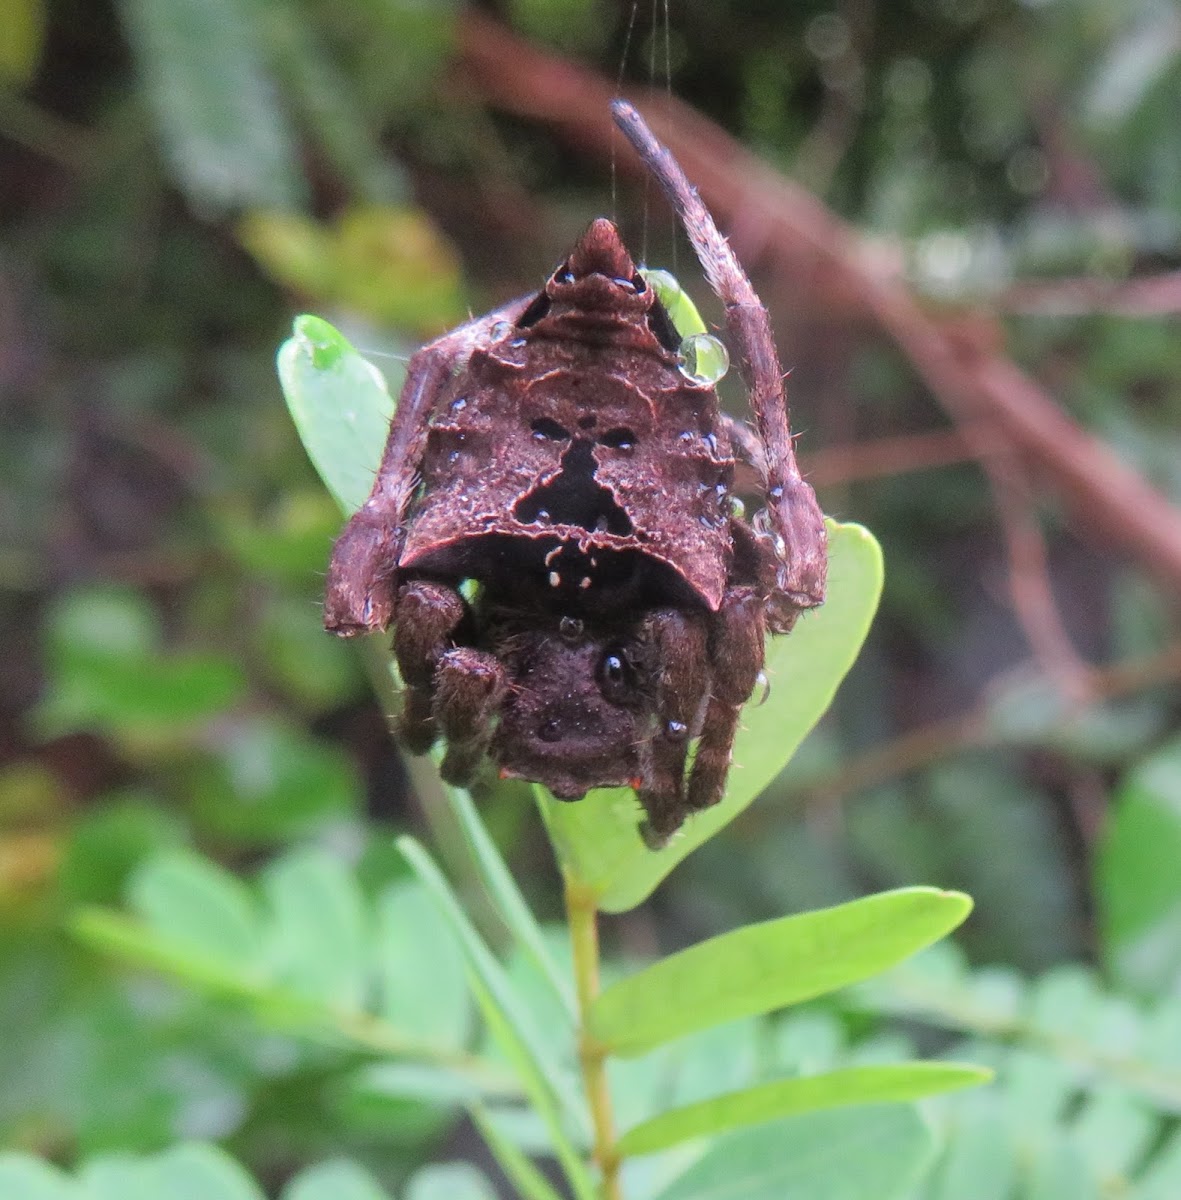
(570, 628)
(684, 436)
(711, 444)
(543, 517)
(453, 457)
(676, 729)
(501, 329)
(600, 524)
(459, 404)
(555, 580)
(737, 508)
(517, 343)
(763, 683)
(776, 493)
(703, 359)
(721, 491)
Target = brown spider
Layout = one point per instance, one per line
(552, 536)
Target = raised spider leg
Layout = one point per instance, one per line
(427, 615)
(677, 645)
(796, 521)
(469, 686)
(361, 576)
(736, 652)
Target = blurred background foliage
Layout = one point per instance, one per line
(178, 177)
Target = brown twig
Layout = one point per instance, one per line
(827, 258)
(920, 747)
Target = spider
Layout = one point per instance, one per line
(552, 536)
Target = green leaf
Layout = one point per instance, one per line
(421, 967)
(23, 1177)
(770, 965)
(790, 1097)
(529, 1182)
(340, 1180)
(224, 130)
(116, 1177)
(450, 1181)
(1137, 876)
(597, 839)
(317, 944)
(858, 1154)
(506, 896)
(197, 908)
(545, 1081)
(106, 669)
(269, 781)
(201, 1172)
(24, 37)
(340, 404)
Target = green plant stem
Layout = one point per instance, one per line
(582, 915)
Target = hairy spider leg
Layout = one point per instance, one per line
(677, 643)
(427, 614)
(469, 686)
(797, 525)
(359, 596)
(736, 652)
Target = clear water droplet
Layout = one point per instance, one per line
(737, 508)
(501, 329)
(703, 359)
(761, 681)
(459, 404)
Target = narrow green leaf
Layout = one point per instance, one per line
(546, 1083)
(122, 937)
(224, 131)
(855, 1154)
(196, 1171)
(317, 944)
(506, 896)
(23, 1177)
(421, 967)
(195, 906)
(450, 1181)
(597, 839)
(770, 965)
(339, 1180)
(341, 406)
(529, 1182)
(790, 1097)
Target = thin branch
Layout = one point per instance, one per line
(822, 254)
(582, 917)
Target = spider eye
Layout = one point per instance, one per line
(639, 284)
(617, 676)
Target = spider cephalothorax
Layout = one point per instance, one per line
(551, 533)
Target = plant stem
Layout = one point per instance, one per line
(582, 915)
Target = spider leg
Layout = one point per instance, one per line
(428, 614)
(736, 651)
(469, 686)
(796, 523)
(677, 643)
(361, 576)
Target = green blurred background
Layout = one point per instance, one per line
(179, 177)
